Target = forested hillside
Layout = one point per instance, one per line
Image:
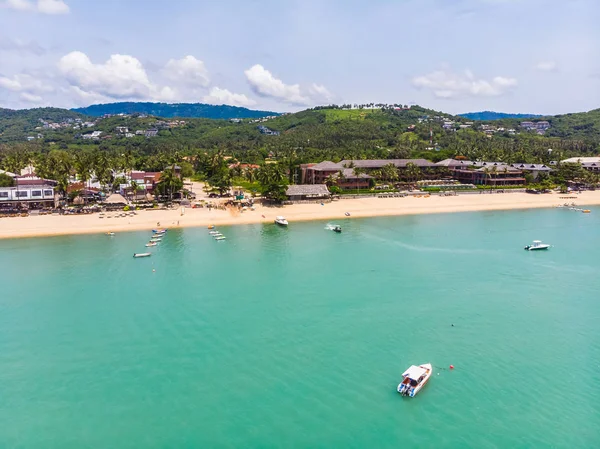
(166, 110)
(314, 135)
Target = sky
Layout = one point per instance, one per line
(528, 56)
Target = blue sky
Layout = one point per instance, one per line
(535, 56)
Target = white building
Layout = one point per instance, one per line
(27, 193)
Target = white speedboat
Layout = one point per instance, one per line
(536, 245)
(214, 233)
(137, 255)
(159, 231)
(149, 244)
(414, 378)
(281, 221)
(220, 237)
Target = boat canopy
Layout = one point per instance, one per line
(414, 372)
(279, 217)
(537, 241)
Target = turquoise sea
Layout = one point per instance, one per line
(297, 337)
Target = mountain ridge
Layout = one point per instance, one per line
(171, 110)
(492, 115)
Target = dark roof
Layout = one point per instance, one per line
(537, 167)
(327, 166)
(307, 189)
(378, 163)
(453, 163)
(349, 174)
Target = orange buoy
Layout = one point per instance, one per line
(451, 366)
(586, 211)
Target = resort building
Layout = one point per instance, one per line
(494, 174)
(589, 163)
(307, 192)
(346, 173)
(37, 196)
(534, 169)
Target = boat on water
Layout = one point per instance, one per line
(156, 238)
(159, 231)
(536, 246)
(414, 378)
(281, 221)
(220, 237)
(214, 232)
(137, 255)
(150, 244)
(211, 226)
(110, 234)
(337, 229)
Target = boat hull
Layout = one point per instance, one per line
(138, 255)
(409, 390)
(537, 248)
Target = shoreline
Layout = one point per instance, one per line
(63, 225)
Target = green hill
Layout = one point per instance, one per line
(183, 110)
(15, 124)
(324, 133)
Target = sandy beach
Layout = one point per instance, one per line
(51, 225)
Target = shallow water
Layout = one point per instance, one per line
(297, 337)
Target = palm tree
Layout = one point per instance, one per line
(505, 171)
(412, 172)
(494, 172)
(357, 171)
(134, 188)
(331, 180)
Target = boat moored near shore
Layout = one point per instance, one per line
(414, 379)
(281, 221)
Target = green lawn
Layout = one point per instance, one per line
(343, 114)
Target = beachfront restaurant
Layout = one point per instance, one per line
(308, 192)
(34, 197)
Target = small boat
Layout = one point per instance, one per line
(220, 237)
(159, 231)
(586, 211)
(211, 226)
(137, 255)
(414, 378)
(110, 234)
(281, 221)
(150, 244)
(214, 232)
(337, 229)
(156, 238)
(537, 245)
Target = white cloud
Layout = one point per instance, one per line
(448, 84)
(30, 98)
(121, 77)
(546, 66)
(24, 83)
(319, 92)
(189, 71)
(264, 84)
(52, 7)
(41, 6)
(17, 45)
(223, 96)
